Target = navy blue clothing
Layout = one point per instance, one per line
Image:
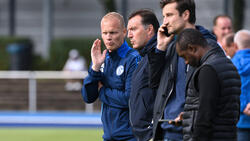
(115, 75)
(173, 110)
(168, 73)
(142, 97)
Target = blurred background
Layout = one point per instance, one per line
(35, 39)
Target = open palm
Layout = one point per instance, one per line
(97, 55)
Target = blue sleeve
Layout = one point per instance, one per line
(119, 97)
(243, 98)
(90, 86)
(243, 102)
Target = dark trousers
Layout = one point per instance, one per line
(243, 134)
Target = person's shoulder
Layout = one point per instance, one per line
(133, 56)
(133, 53)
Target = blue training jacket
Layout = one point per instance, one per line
(115, 75)
(242, 62)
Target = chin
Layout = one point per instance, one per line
(112, 48)
(136, 47)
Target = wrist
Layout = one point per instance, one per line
(161, 47)
(96, 68)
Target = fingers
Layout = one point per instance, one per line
(175, 122)
(161, 29)
(104, 53)
(97, 43)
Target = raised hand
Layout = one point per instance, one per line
(162, 39)
(97, 55)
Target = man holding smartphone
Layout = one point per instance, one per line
(167, 71)
(212, 104)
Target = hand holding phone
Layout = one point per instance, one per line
(172, 121)
(166, 31)
(176, 123)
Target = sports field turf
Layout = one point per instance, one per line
(50, 134)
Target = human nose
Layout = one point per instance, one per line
(130, 34)
(228, 30)
(109, 36)
(165, 21)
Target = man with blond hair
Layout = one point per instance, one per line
(109, 78)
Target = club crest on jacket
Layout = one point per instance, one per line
(119, 70)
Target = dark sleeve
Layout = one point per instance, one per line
(90, 86)
(209, 89)
(156, 66)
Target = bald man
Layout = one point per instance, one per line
(241, 60)
(109, 78)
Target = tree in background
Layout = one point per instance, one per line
(238, 14)
(109, 5)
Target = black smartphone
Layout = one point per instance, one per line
(166, 31)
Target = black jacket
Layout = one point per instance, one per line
(142, 97)
(162, 72)
(212, 106)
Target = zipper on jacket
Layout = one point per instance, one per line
(130, 113)
(166, 102)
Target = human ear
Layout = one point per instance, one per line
(150, 29)
(186, 14)
(125, 32)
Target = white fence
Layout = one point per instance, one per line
(32, 76)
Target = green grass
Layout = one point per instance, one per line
(50, 134)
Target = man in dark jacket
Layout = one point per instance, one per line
(167, 71)
(110, 76)
(212, 106)
(142, 28)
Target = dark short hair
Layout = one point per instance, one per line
(190, 37)
(183, 5)
(148, 17)
(220, 16)
(229, 38)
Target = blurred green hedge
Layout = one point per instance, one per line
(4, 55)
(58, 53)
(60, 48)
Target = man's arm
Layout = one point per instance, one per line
(156, 65)
(119, 97)
(209, 89)
(90, 90)
(157, 57)
(90, 86)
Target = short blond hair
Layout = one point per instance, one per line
(116, 15)
(242, 39)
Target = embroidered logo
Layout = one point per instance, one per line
(119, 70)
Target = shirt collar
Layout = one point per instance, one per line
(122, 51)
